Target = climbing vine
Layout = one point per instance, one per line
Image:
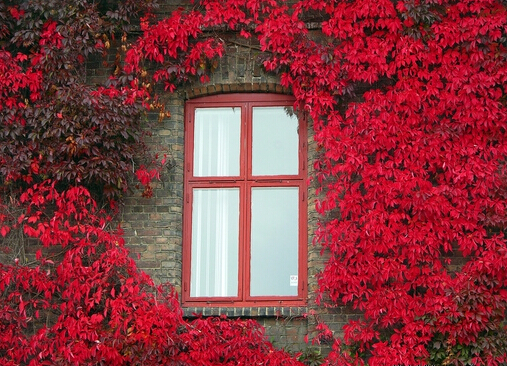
(408, 102)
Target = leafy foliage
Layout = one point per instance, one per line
(52, 124)
(408, 103)
(90, 305)
(416, 171)
(73, 295)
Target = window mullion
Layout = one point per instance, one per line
(244, 241)
(245, 205)
(248, 140)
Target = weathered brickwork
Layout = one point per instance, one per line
(153, 226)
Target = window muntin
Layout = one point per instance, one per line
(245, 215)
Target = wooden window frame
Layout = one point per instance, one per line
(245, 181)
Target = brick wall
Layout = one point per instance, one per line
(153, 226)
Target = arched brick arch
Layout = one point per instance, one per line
(225, 88)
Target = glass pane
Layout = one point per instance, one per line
(217, 142)
(275, 141)
(215, 233)
(274, 242)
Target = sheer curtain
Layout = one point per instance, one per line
(217, 142)
(215, 216)
(215, 211)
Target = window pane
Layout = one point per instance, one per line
(217, 142)
(274, 241)
(275, 141)
(215, 233)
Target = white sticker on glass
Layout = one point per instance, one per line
(293, 280)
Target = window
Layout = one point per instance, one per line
(245, 202)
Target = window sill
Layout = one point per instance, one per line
(246, 312)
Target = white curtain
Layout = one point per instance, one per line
(215, 211)
(217, 142)
(215, 233)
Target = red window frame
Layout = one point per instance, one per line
(244, 181)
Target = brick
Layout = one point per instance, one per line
(155, 225)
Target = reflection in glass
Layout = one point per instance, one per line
(215, 233)
(274, 141)
(217, 142)
(274, 241)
